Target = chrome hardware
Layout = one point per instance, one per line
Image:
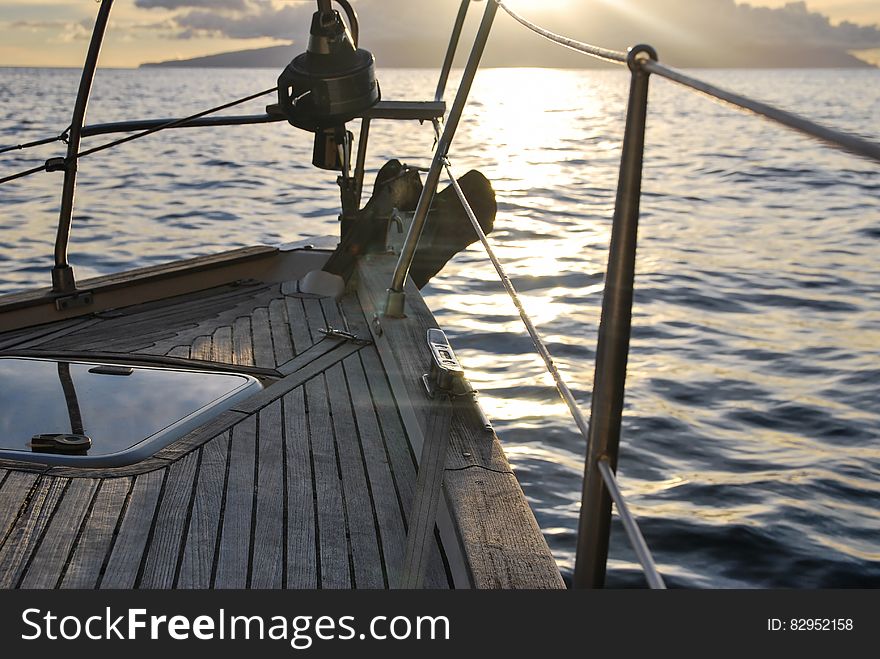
(394, 302)
(446, 377)
(342, 335)
(397, 220)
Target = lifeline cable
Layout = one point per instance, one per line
(27, 145)
(580, 46)
(171, 124)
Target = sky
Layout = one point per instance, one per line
(55, 32)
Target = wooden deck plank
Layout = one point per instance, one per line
(196, 569)
(39, 336)
(207, 323)
(242, 343)
(170, 524)
(186, 325)
(390, 516)
(268, 553)
(332, 314)
(302, 338)
(281, 341)
(130, 327)
(39, 333)
(46, 567)
(423, 517)
(11, 338)
(142, 467)
(402, 460)
(14, 492)
(159, 307)
(332, 532)
(134, 532)
(235, 539)
(25, 535)
(295, 379)
(357, 497)
(172, 317)
(201, 348)
(221, 345)
(183, 308)
(164, 347)
(20, 465)
(161, 345)
(302, 566)
(180, 351)
(305, 358)
(473, 452)
(404, 339)
(397, 445)
(114, 342)
(88, 557)
(314, 318)
(262, 337)
(513, 552)
(208, 431)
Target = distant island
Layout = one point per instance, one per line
(405, 54)
(275, 57)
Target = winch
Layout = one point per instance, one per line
(333, 82)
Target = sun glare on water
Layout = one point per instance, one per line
(522, 120)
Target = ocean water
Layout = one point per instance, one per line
(751, 439)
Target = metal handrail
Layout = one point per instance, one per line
(63, 279)
(133, 125)
(451, 49)
(394, 302)
(612, 349)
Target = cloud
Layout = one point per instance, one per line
(685, 32)
(180, 4)
(264, 20)
(66, 31)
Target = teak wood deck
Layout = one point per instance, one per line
(308, 484)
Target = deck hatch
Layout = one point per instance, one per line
(128, 411)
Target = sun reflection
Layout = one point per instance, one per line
(524, 120)
(507, 409)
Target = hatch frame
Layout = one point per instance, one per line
(150, 445)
